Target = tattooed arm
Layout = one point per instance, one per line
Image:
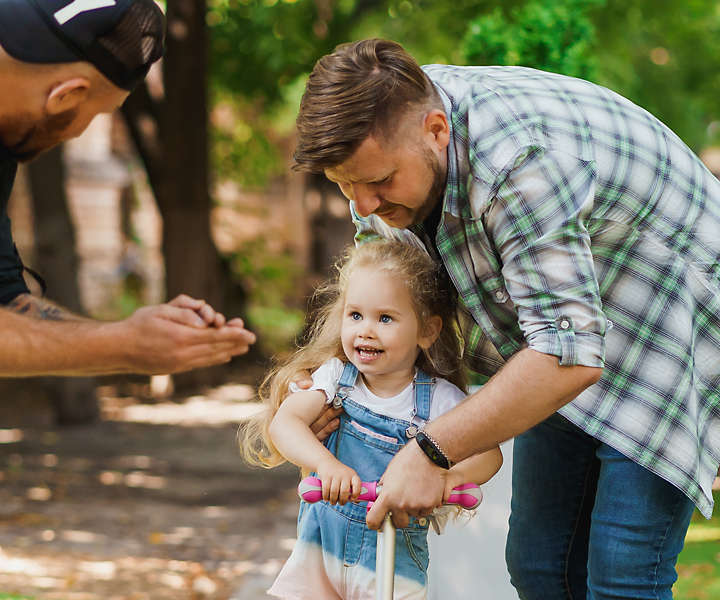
(39, 338)
(40, 308)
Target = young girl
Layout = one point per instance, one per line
(386, 348)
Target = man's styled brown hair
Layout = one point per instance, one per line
(361, 89)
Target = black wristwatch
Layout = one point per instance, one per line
(433, 451)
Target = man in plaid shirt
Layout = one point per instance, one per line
(583, 239)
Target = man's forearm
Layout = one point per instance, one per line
(183, 334)
(60, 344)
(40, 308)
(528, 389)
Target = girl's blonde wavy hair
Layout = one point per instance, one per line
(431, 294)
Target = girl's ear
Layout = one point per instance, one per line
(431, 331)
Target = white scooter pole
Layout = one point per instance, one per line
(385, 561)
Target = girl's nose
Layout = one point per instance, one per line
(366, 329)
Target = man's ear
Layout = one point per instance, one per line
(431, 331)
(67, 95)
(436, 126)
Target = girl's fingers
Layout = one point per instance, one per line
(326, 488)
(345, 488)
(334, 490)
(356, 487)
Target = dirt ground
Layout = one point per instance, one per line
(153, 502)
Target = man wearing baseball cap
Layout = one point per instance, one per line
(62, 63)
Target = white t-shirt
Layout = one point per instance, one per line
(445, 394)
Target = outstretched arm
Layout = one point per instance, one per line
(291, 433)
(40, 338)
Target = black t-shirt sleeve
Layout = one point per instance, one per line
(11, 268)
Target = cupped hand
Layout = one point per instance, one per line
(178, 336)
(207, 313)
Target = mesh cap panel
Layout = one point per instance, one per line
(137, 40)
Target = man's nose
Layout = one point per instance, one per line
(366, 200)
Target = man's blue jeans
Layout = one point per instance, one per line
(589, 523)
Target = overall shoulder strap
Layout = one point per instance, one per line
(349, 375)
(345, 383)
(422, 395)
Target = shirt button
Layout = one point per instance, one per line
(564, 324)
(500, 295)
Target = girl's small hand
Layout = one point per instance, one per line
(340, 483)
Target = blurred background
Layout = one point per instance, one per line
(130, 487)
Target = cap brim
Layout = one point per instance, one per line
(25, 35)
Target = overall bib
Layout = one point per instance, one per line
(365, 441)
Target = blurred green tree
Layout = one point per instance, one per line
(557, 37)
(260, 53)
(665, 56)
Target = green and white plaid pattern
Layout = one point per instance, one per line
(576, 224)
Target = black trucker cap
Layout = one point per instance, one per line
(121, 38)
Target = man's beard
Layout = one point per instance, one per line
(437, 188)
(32, 138)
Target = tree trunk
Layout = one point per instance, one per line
(183, 194)
(176, 156)
(73, 398)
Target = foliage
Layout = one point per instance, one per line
(665, 57)
(272, 281)
(243, 148)
(428, 29)
(262, 50)
(259, 46)
(557, 37)
(259, 49)
(699, 562)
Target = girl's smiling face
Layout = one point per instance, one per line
(380, 332)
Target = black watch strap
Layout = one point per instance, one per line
(433, 451)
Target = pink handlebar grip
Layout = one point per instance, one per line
(369, 491)
(467, 496)
(310, 489)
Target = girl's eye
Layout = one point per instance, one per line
(355, 316)
(385, 318)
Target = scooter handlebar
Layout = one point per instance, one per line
(467, 495)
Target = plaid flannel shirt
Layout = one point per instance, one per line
(576, 224)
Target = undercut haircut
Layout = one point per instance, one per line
(363, 88)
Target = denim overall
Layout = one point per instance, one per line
(367, 441)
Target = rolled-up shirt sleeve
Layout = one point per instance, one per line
(538, 222)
